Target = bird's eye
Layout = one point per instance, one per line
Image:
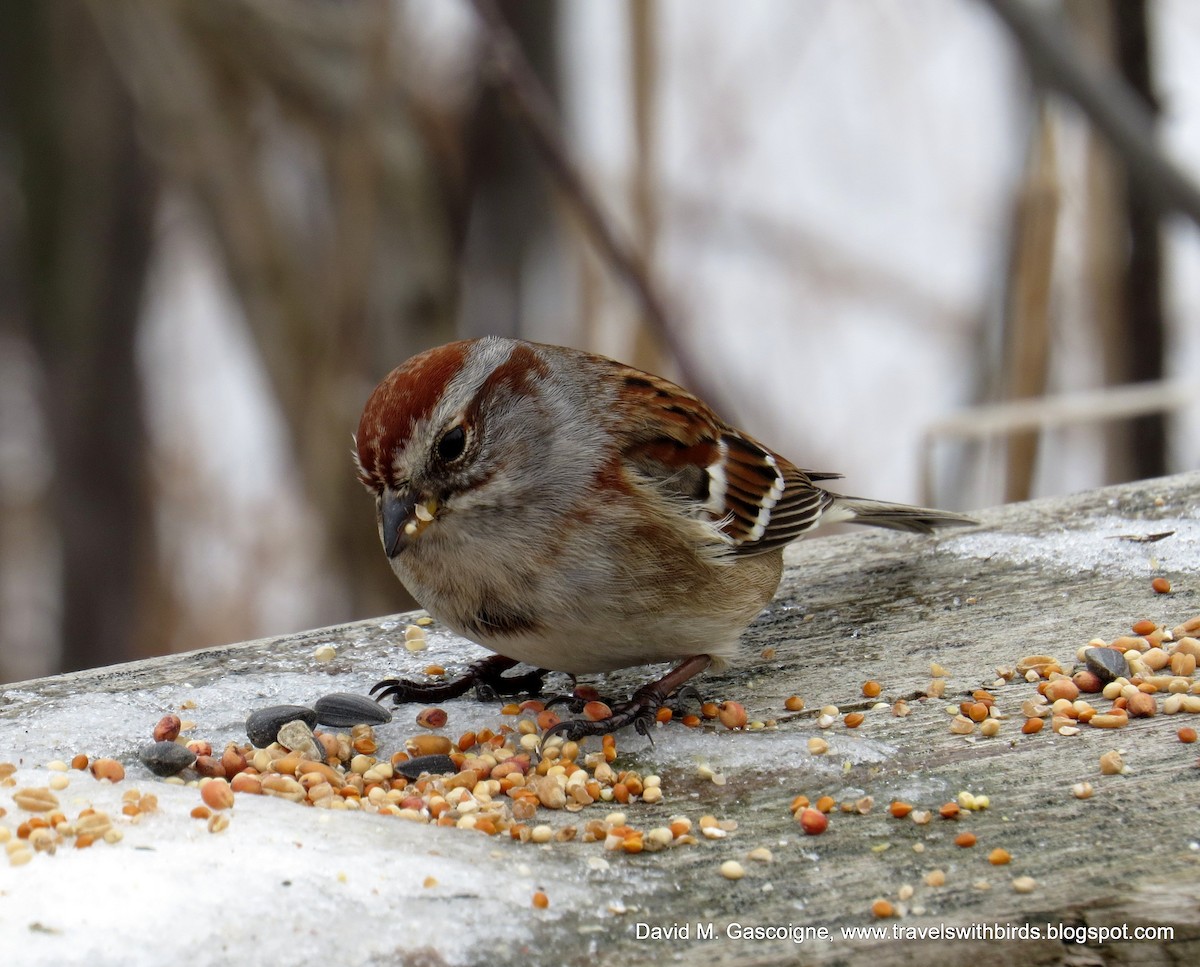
(451, 445)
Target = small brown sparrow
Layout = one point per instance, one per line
(567, 511)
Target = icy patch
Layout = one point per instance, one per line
(1109, 544)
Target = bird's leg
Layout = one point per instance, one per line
(485, 676)
(639, 711)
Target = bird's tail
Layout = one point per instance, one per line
(901, 517)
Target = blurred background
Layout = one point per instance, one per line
(867, 232)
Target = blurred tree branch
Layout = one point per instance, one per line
(510, 69)
(290, 127)
(87, 201)
(1110, 104)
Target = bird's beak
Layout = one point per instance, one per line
(402, 518)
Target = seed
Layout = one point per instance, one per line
(167, 729)
(245, 782)
(1187, 734)
(949, 810)
(871, 689)
(109, 769)
(991, 728)
(1041, 665)
(216, 824)
(432, 718)
(59, 782)
(854, 719)
(999, 857)
(1109, 720)
(900, 708)
(760, 854)
(1061, 688)
(732, 715)
(1082, 790)
(344, 710)
(324, 654)
(900, 809)
(1144, 627)
(882, 909)
(921, 816)
(596, 711)
(935, 878)
(423, 745)
(1141, 705)
(977, 711)
(540, 900)
(732, 870)
(1024, 884)
(826, 803)
(793, 703)
(961, 725)
(1111, 763)
(79, 762)
(217, 794)
(964, 840)
(812, 821)
(817, 745)
(38, 799)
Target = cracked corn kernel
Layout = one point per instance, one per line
(1024, 884)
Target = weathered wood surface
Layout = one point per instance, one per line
(1036, 578)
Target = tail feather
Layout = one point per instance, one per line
(901, 517)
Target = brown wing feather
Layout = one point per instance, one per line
(758, 500)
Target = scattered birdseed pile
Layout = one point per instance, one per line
(504, 781)
(1130, 673)
(501, 781)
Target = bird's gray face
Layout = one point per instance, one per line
(455, 438)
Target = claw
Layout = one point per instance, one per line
(486, 677)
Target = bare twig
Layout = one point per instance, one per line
(1108, 102)
(512, 73)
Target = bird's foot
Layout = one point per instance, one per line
(640, 711)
